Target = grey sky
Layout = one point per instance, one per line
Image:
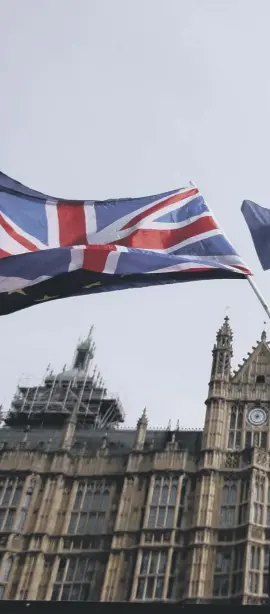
(103, 98)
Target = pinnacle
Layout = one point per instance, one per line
(263, 336)
(143, 419)
(225, 329)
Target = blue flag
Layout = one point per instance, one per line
(258, 221)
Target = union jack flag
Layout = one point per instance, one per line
(54, 247)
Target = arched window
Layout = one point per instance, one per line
(6, 567)
(228, 504)
(236, 425)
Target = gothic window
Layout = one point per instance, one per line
(78, 579)
(236, 426)
(255, 557)
(248, 442)
(258, 500)
(244, 498)
(162, 505)
(90, 508)
(10, 492)
(221, 585)
(237, 569)
(256, 438)
(238, 558)
(151, 575)
(222, 572)
(177, 579)
(266, 570)
(129, 574)
(228, 504)
(5, 569)
(253, 582)
(263, 443)
(228, 569)
(260, 379)
(223, 561)
(10, 497)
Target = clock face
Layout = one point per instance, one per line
(257, 416)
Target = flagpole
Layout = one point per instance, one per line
(259, 295)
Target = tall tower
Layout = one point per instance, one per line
(215, 418)
(234, 493)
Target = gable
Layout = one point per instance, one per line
(257, 364)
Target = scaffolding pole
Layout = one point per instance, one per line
(51, 393)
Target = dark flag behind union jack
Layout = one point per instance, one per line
(52, 248)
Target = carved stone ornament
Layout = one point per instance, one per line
(261, 459)
(232, 461)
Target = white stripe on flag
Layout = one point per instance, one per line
(112, 262)
(77, 255)
(23, 234)
(53, 223)
(90, 219)
(113, 232)
(184, 267)
(10, 245)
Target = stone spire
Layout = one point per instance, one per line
(224, 334)
(141, 431)
(222, 353)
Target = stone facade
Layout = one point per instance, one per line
(90, 512)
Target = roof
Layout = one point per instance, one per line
(119, 441)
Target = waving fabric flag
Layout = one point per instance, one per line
(52, 248)
(258, 221)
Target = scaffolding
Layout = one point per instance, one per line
(50, 402)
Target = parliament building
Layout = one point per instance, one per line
(92, 511)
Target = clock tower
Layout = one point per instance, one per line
(235, 456)
(238, 402)
(249, 400)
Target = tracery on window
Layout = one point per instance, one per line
(90, 508)
(162, 505)
(151, 575)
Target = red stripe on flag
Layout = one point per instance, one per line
(242, 269)
(21, 240)
(95, 257)
(4, 254)
(72, 225)
(168, 201)
(162, 239)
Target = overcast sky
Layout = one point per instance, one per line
(101, 99)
